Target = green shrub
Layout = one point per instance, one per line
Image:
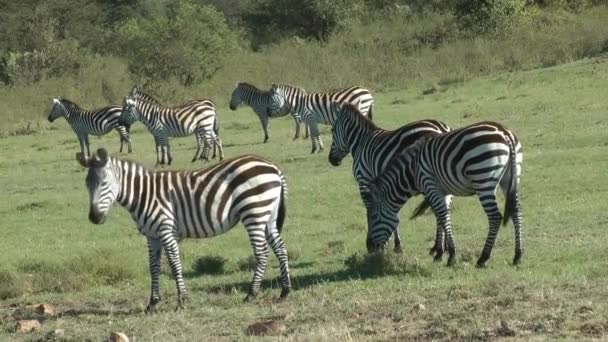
(187, 44)
(274, 20)
(495, 17)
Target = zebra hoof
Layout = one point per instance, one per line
(517, 259)
(249, 298)
(398, 249)
(451, 261)
(438, 257)
(284, 293)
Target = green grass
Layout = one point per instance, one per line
(97, 276)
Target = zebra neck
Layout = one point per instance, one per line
(135, 181)
(73, 113)
(148, 114)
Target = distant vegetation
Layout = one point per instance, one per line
(94, 51)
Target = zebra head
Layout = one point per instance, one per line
(129, 113)
(382, 219)
(58, 110)
(277, 99)
(102, 184)
(340, 147)
(236, 97)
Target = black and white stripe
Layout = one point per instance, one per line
(196, 117)
(476, 159)
(94, 122)
(137, 93)
(260, 101)
(315, 108)
(168, 206)
(372, 147)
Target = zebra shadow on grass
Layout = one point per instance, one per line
(358, 267)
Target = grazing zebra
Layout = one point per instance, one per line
(137, 93)
(95, 122)
(472, 160)
(259, 101)
(196, 117)
(315, 108)
(171, 205)
(372, 147)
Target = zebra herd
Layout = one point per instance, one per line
(390, 166)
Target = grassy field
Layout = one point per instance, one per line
(97, 276)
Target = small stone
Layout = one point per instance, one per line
(118, 337)
(419, 307)
(57, 333)
(27, 325)
(269, 327)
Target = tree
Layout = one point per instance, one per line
(188, 43)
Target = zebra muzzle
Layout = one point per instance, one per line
(334, 161)
(96, 217)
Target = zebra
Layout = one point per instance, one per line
(471, 160)
(196, 117)
(168, 206)
(315, 108)
(259, 101)
(372, 147)
(95, 122)
(137, 93)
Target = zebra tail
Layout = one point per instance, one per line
(282, 205)
(512, 192)
(421, 208)
(370, 114)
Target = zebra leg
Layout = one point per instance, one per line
(169, 156)
(157, 141)
(128, 129)
(260, 251)
(314, 136)
(198, 154)
(218, 143)
(278, 247)
(86, 142)
(516, 216)
(298, 122)
(264, 121)
(488, 202)
(440, 242)
(398, 248)
(172, 250)
(442, 214)
(154, 252)
(81, 142)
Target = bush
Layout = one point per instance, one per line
(495, 17)
(273, 20)
(188, 44)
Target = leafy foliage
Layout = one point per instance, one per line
(187, 44)
(273, 20)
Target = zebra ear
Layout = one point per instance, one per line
(100, 159)
(274, 86)
(56, 100)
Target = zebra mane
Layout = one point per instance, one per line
(249, 85)
(69, 103)
(353, 112)
(287, 86)
(143, 96)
